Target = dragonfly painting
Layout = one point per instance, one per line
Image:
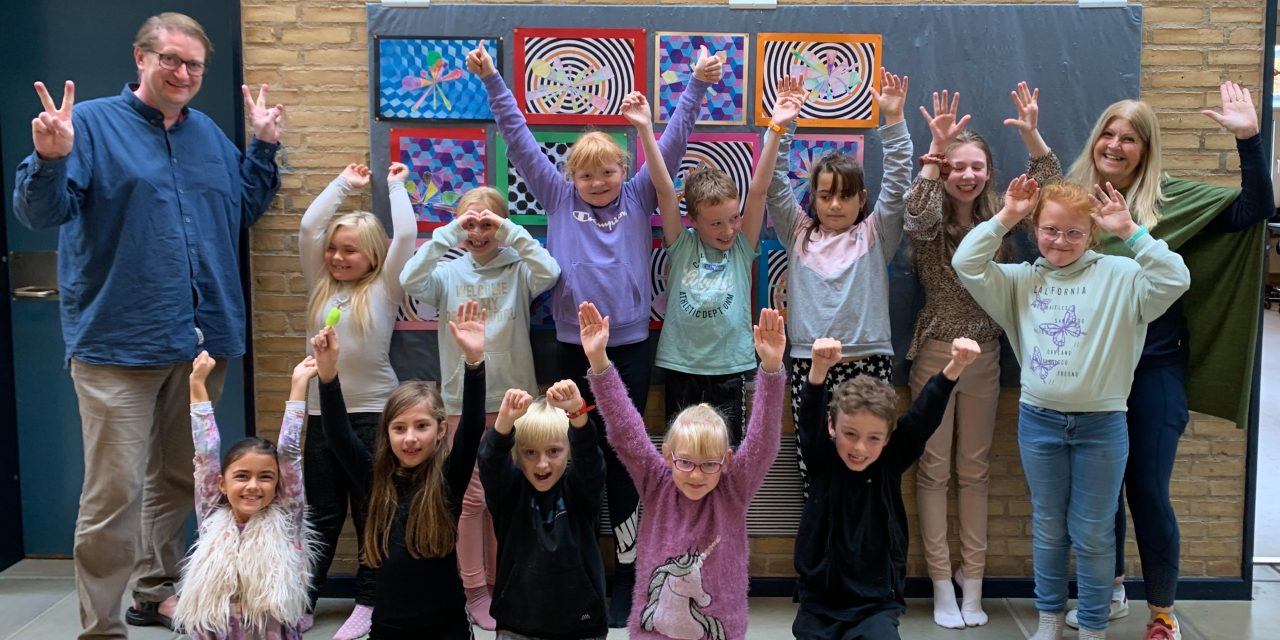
(431, 80)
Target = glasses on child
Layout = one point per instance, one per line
(170, 62)
(709, 467)
(1072, 235)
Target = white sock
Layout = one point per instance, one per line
(1050, 627)
(1086, 634)
(946, 613)
(971, 600)
(1117, 592)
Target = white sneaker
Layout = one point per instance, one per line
(1119, 609)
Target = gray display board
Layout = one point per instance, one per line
(1081, 59)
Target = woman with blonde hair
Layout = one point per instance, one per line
(1205, 346)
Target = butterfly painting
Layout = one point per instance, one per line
(1067, 326)
(1042, 365)
(1040, 303)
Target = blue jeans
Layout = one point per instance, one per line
(1074, 464)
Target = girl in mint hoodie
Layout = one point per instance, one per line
(598, 229)
(504, 269)
(1077, 320)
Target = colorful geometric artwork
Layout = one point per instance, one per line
(808, 149)
(416, 315)
(427, 78)
(838, 70)
(577, 76)
(659, 268)
(674, 58)
(443, 164)
(524, 207)
(733, 153)
(771, 277)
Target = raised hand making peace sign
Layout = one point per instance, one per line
(52, 132)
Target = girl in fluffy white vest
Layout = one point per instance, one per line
(246, 576)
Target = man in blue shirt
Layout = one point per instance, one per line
(150, 198)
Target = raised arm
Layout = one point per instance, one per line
(1027, 123)
(259, 174)
(587, 479)
(289, 444)
(791, 96)
(540, 269)
(468, 328)
(1255, 203)
(926, 410)
(623, 425)
(207, 461)
(356, 460)
(419, 277)
(497, 471)
(636, 108)
(1164, 276)
(311, 244)
(815, 442)
(50, 182)
(925, 197)
(760, 446)
(404, 229)
(989, 283)
(895, 140)
(547, 183)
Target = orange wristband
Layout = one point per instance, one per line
(774, 126)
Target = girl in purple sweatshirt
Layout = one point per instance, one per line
(598, 230)
(693, 548)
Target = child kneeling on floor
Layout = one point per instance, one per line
(851, 551)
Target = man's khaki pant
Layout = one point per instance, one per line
(137, 485)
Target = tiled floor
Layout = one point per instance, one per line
(38, 601)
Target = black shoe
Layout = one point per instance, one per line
(147, 614)
(624, 582)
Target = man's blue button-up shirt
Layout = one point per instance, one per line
(149, 238)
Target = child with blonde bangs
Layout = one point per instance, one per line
(414, 478)
(349, 264)
(504, 269)
(1077, 321)
(545, 511)
(839, 248)
(598, 229)
(693, 551)
(248, 572)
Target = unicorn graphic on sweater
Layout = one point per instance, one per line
(676, 598)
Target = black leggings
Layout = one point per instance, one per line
(1157, 417)
(328, 493)
(635, 369)
(726, 392)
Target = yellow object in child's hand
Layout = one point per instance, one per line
(332, 318)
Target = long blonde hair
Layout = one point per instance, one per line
(430, 531)
(372, 239)
(1144, 196)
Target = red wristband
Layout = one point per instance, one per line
(581, 412)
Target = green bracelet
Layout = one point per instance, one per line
(1133, 239)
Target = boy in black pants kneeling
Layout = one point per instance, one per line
(851, 552)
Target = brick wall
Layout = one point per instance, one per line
(314, 55)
